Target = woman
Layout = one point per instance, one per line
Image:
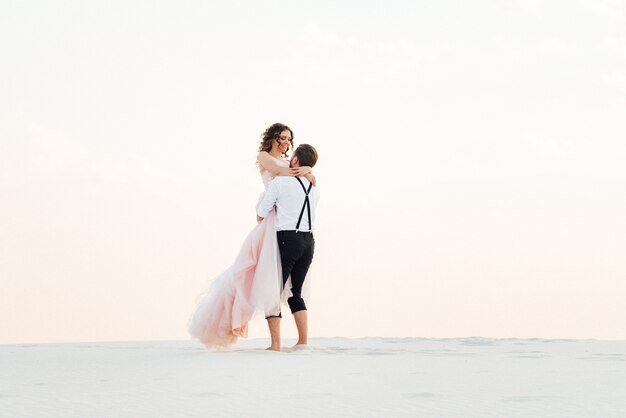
(253, 282)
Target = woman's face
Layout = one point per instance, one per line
(283, 141)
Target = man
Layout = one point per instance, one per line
(295, 199)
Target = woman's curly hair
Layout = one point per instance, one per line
(272, 133)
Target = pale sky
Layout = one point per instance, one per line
(471, 163)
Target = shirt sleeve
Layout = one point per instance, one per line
(270, 197)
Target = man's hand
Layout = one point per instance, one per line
(259, 219)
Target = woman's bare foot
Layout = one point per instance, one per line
(273, 348)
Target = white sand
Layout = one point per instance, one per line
(369, 377)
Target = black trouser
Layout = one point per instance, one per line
(296, 254)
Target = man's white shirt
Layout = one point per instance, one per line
(287, 195)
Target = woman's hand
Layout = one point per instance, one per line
(301, 171)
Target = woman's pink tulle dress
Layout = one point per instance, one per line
(252, 284)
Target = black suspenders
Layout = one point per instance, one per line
(306, 204)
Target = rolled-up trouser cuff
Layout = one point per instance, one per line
(296, 304)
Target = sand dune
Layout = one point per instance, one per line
(367, 377)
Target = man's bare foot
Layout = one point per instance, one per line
(301, 347)
(273, 349)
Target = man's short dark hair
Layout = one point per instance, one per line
(307, 155)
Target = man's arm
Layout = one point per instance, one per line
(269, 199)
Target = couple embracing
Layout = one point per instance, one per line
(273, 262)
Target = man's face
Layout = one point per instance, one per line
(294, 162)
